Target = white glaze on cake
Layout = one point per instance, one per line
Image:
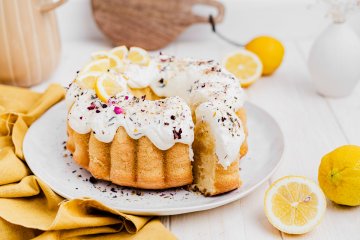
(226, 128)
(213, 93)
(140, 76)
(165, 122)
(196, 82)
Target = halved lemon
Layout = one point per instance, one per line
(294, 204)
(139, 56)
(121, 52)
(245, 65)
(108, 86)
(116, 63)
(88, 80)
(99, 55)
(100, 65)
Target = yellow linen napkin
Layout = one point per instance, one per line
(29, 208)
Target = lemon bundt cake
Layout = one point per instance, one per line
(157, 122)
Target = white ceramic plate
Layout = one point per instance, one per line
(47, 158)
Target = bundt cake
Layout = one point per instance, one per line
(171, 122)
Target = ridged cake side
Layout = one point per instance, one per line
(129, 162)
(139, 163)
(210, 177)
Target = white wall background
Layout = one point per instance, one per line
(244, 19)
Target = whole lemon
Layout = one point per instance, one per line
(339, 175)
(270, 52)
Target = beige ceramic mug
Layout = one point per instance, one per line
(29, 41)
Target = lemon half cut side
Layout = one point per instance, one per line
(294, 204)
(244, 65)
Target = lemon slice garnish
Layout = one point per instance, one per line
(121, 52)
(100, 65)
(294, 204)
(245, 65)
(116, 63)
(138, 56)
(88, 80)
(99, 55)
(107, 86)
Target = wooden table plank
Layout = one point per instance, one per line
(342, 222)
(309, 126)
(242, 219)
(310, 130)
(346, 110)
(312, 126)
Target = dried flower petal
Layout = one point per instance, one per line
(118, 110)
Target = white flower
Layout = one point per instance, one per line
(339, 9)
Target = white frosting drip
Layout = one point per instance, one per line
(141, 76)
(197, 82)
(175, 77)
(226, 128)
(200, 84)
(71, 93)
(164, 122)
(217, 87)
(80, 117)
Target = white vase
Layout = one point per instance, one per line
(334, 60)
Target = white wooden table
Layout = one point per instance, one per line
(312, 125)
